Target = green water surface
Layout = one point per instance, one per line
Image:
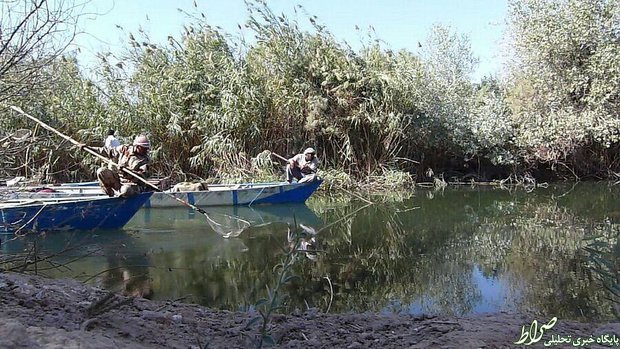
(547, 251)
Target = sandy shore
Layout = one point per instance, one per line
(44, 313)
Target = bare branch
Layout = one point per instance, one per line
(33, 33)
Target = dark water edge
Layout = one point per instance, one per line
(549, 251)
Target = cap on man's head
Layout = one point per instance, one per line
(142, 141)
(309, 151)
(111, 132)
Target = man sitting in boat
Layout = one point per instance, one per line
(132, 157)
(111, 141)
(302, 167)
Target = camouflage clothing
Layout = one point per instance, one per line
(113, 179)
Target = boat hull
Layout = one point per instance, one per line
(245, 195)
(79, 214)
(217, 195)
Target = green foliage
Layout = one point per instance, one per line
(566, 79)
(208, 111)
(491, 128)
(275, 300)
(211, 103)
(603, 252)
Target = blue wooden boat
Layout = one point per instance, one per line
(246, 194)
(240, 194)
(88, 213)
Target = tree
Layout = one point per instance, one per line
(33, 33)
(567, 68)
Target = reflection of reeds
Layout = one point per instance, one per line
(385, 256)
(274, 301)
(528, 242)
(538, 254)
(603, 254)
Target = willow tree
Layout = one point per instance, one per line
(449, 113)
(566, 80)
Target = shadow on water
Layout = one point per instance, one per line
(550, 252)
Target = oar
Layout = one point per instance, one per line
(278, 156)
(339, 187)
(128, 171)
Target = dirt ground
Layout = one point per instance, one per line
(42, 313)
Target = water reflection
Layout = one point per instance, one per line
(231, 280)
(303, 239)
(127, 273)
(468, 251)
(459, 251)
(109, 260)
(224, 219)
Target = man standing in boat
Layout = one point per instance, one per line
(302, 167)
(132, 157)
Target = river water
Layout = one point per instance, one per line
(546, 251)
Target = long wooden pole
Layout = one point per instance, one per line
(92, 152)
(278, 156)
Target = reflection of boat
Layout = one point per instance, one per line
(216, 195)
(240, 194)
(124, 261)
(224, 219)
(68, 214)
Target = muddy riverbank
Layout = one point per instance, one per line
(39, 312)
